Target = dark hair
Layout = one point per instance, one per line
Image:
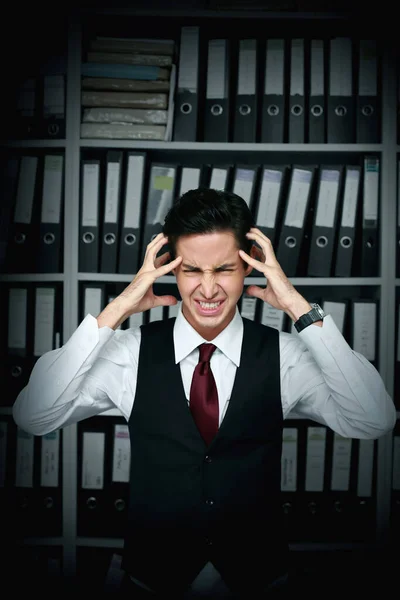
(206, 210)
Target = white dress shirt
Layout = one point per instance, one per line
(322, 379)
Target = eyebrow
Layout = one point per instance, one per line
(224, 266)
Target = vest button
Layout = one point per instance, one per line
(208, 459)
(209, 501)
(209, 542)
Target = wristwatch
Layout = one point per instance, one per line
(315, 314)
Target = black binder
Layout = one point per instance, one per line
(132, 213)
(51, 235)
(89, 241)
(111, 212)
(217, 105)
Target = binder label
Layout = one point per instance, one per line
(327, 198)
(121, 455)
(244, 184)
(93, 460)
(315, 459)
(269, 198)
(341, 463)
(299, 190)
(289, 460)
(52, 188)
(49, 466)
(365, 468)
(91, 172)
(24, 459)
(134, 189)
(274, 68)
(364, 332)
(17, 317)
(350, 198)
(44, 320)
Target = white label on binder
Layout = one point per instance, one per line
(247, 68)
(315, 459)
(337, 310)
(93, 460)
(17, 318)
(249, 305)
(53, 96)
(25, 190)
(3, 452)
(368, 69)
(289, 460)
(121, 454)
(371, 189)
(162, 186)
(317, 68)
(299, 190)
(92, 302)
(174, 310)
(365, 468)
(44, 320)
(188, 59)
(364, 329)
(49, 464)
(274, 68)
(243, 184)
(216, 70)
(341, 463)
(112, 193)
(274, 317)
(340, 73)
(24, 459)
(269, 198)
(190, 179)
(134, 188)
(350, 196)
(25, 101)
(218, 179)
(91, 174)
(297, 68)
(52, 188)
(327, 198)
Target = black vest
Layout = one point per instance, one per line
(189, 503)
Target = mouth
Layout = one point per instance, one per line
(209, 308)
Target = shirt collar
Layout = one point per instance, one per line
(229, 341)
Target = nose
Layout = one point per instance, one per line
(208, 286)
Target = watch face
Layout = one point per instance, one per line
(319, 310)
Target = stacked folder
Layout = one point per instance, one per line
(127, 88)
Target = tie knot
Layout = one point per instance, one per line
(206, 351)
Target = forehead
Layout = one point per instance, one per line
(212, 248)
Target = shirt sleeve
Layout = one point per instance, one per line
(94, 371)
(323, 379)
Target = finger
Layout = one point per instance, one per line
(154, 246)
(256, 291)
(164, 269)
(162, 259)
(165, 300)
(257, 264)
(263, 241)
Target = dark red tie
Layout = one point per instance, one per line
(204, 395)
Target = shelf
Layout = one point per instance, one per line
(298, 546)
(231, 146)
(339, 281)
(26, 277)
(42, 541)
(100, 542)
(50, 143)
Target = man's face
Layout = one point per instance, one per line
(210, 280)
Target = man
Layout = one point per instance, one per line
(205, 513)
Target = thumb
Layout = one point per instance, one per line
(165, 300)
(256, 291)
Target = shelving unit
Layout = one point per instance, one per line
(386, 285)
